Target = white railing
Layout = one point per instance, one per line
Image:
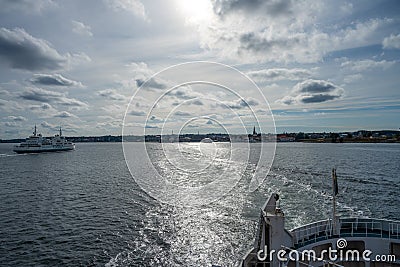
(353, 227)
(394, 230)
(312, 231)
(356, 227)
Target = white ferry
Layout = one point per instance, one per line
(36, 143)
(349, 242)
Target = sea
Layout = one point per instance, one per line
(84, 208)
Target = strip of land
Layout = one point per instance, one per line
(361, 136)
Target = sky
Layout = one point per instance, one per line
(86, 65)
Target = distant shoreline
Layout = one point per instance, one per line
(361, 136)
(314, 141)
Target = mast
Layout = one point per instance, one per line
(34, 132)
(60, 131)
(335, 192)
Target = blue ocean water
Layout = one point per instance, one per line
(83, 208)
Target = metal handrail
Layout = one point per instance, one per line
(354, 227)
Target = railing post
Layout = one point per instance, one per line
(352, 227)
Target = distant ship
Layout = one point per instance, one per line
(206, 140)
(36, 143)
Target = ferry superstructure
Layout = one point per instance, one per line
(36, 143)
(331, 242)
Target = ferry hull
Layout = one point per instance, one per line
(40, 150)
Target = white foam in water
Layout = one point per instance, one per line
(123, 226)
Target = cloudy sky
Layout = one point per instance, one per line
(321, 65)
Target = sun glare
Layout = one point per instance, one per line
(195, 10)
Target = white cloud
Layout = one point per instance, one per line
(46, 96)
(11, 124)
(77, 59)
(10, 105)
(111, 94)
(53, 80)
(140, 68)
(81, 29)
(271, 8)
(43, 109)
(391, 42)
(26, 6)
(16, 118)
(352, 78)
(276, 31)
(47, 125)
(152, 83)
(65, 114)
(142, 77)
(366, 64)
(137, 113)
(136, 7)
(359, 33)
(279, 74)
(347, 8)
(66, 127)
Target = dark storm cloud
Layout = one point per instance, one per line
(23, 51)
(53, 79)
(313, 91)
(271, 7)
